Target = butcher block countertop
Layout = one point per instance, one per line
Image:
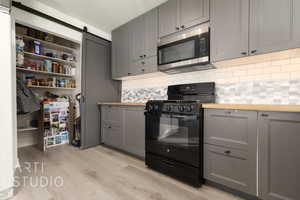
(121, 104)
(279, 108)
(255, 107)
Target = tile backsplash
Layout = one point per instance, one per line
(265, 79)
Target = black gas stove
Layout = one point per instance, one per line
(174, 132)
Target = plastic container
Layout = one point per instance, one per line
(37, 48)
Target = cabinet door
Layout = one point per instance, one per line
(134, 131)
(151, 33)
(150, 65)
(96, 71)
(5, 3)
(229, 29)
(279, 153)
(168, 18)
(231, 128)
(121, 54)
(296, 13)
(230, 167)
(271, 25)
(138, 38)
(112, 137)
(193, 12)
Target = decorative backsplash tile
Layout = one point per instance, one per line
(285, 92)
(143, 95)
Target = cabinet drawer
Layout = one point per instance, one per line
(230, 128)
(230, 167)
(112, 137)
(111, 124)
(111, 113)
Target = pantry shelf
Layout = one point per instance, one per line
(42, 72)
(41, 57)
(46, 87)
(50, 44)
(28, 129)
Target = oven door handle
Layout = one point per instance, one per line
(183, 116)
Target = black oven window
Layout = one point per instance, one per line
(177, 52)
(178, 130)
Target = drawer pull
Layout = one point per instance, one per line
(227, 152)
(227, 112)
(264, 115)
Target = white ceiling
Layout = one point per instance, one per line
(103, 14)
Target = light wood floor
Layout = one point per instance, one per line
(103, 174)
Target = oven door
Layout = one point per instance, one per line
(185, 52)
(175, 136)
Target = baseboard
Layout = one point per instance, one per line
(6, 194)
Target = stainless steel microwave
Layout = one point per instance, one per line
(185, 51)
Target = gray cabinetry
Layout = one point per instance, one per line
(279, 153)
(111, 126)
(168, 18)
(229, 29)
(135, 46)
(5, 3)
(296, 15)
(193, 12)
(121, 54)
(123, 127)
(134, 130)
(176, 15)
(271, 25)
(230, 138)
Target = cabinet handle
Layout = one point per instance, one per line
(141, 56)
(264, 115)
(143, 70)
(177, 28)
(227, 152)
(182, 26)
(143, 62)
(109, 127)
(244, 53)
(227, 112)
(129, 73)
(254, 51)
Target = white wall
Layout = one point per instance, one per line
(6, 105)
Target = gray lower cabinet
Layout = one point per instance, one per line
(134, 129)
(279, 156)
(229, 22)
(230, 138)
(123, 128)
(272, 25)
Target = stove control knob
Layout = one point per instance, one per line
(181, 108)
(188, 108)
(150, 108)
(168, 108)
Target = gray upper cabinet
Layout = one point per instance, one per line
(296, 15)
(176, 15)
(133, 44)
(229, 29)
(134, 130)
(271, 25)
(121, 54)
(279, 154)
(168, 18)
(138, 38)
(5, 3)
(230, 138)
(193, 12)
